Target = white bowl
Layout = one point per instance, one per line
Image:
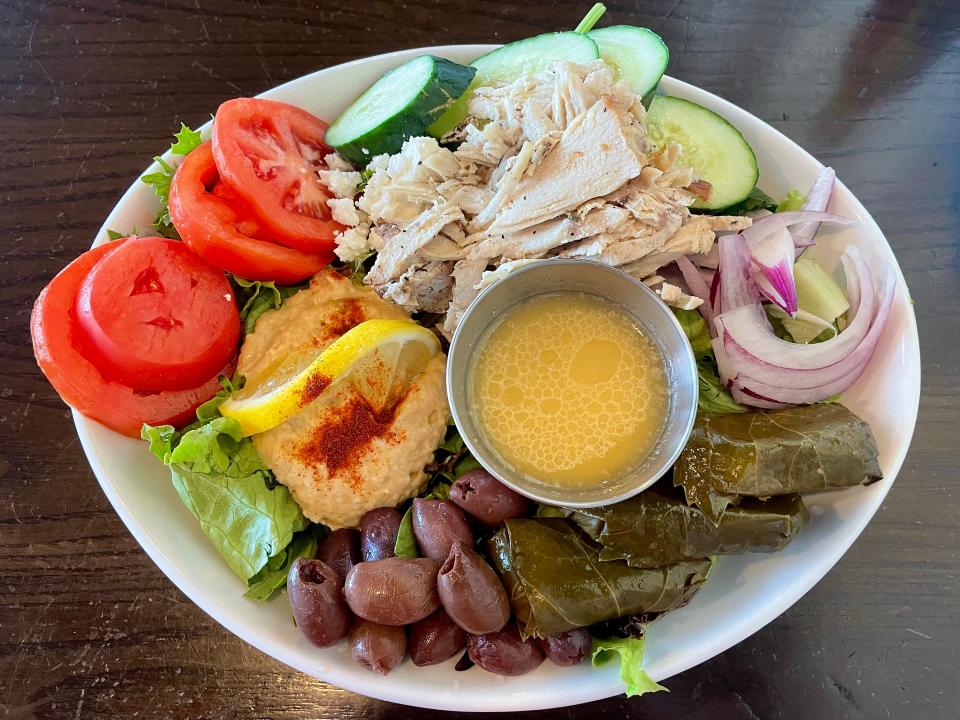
(744, 592)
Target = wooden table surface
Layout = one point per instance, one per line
(90, 628)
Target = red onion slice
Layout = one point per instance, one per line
(709, 259)
(774, 256)
(747, 370)
(746, 397)
(757, 339)
(766, 225)
(738, 288)
(801, 396)
(698, 286)
(818, 199)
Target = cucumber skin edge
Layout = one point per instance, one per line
(713, 207)
(449, 81)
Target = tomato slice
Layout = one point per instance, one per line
(56, 346)
(218, 230)
(269, 153)
(156, 316)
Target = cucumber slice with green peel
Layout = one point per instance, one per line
(713, 147)
(635, 54)
(507, 63)
(400, 105)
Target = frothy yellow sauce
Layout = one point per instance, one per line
(568, 390)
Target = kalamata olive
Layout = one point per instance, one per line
(567, 648)
(379, 648)
(434, 639)
(340, 550)
(317, 602)
(378, 533)
(395, 591)
(504, 653)
(437, 524)
(471, 592)
(487, 499)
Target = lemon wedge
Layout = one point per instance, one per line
(380, 358)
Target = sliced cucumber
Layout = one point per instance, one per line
(635, 54)
(817, 291)
(511, 61)
(400, 105)
(713, 147)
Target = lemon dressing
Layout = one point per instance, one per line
(568, 390)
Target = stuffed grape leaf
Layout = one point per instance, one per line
(557, 581)
(657, 528)
(764, 454)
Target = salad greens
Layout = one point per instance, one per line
(756, 200)
(406, 544)
(221, 479)
(630, 650)
(186, 140)
(273, 576)
(257, 297)
(793, 201)
(249, 517)
(713, 396)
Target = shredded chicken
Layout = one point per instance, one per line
(553, 164)
(675, 297)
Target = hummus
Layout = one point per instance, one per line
(338, 456)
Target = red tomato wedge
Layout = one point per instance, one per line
(269, 153)
(218, 230)
(56, 346)
(156, 316)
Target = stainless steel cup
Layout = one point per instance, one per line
(650, 314)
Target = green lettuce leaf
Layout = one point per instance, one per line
(406, 544)
(696, 330)
(756, 200)
(186, 140)
(793, 201)
(257, 297)
(273, 576)
(221, 479)
(468, 463)
(453, 442)
(713, 396)
(632, 673)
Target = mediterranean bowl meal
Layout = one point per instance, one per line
(494, 367)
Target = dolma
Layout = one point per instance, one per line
(557, 582)
(658, 528)
(764, 454)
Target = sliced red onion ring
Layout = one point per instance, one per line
(775, 375)
(738, 288)
(818, 200)
(746, 397)
(800, 396)
(709, 259)
(698, 286)
(757, 339)
(774, 256)
(715, 295)
(766, 225)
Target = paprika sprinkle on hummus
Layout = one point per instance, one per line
(346, 433)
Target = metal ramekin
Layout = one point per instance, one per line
(655, 318)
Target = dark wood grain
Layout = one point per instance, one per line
(89, 91)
